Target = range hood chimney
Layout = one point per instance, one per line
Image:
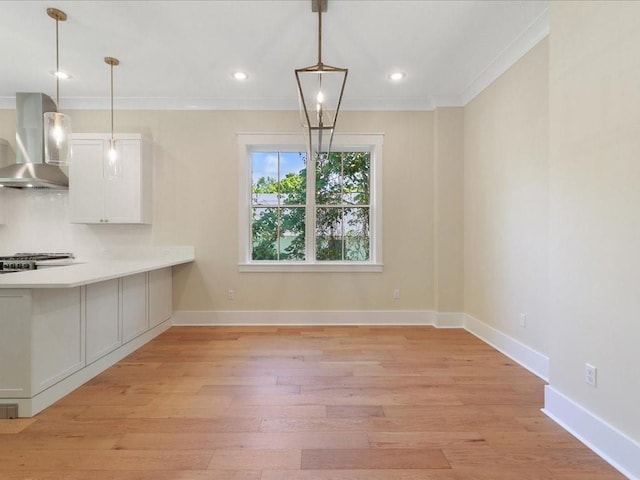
(30, 170)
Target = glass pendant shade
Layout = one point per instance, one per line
(320, 89)
(114, 161)
(57, 139)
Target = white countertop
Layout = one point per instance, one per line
(99, 269)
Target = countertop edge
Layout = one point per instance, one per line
(72, 276)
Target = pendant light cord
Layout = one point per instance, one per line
(57, 68)
(112, 62)
(320, 32)
(112, 102)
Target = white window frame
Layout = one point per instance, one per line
(287, 142)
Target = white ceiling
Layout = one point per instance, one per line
(181, 54)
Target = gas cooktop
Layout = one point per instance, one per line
(28, 261)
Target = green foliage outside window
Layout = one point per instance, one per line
(342, 211)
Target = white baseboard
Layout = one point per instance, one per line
(297, 318)
(620, 451)
(532, 360)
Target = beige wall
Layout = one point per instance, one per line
(449, 209)
(196, 203)
(505, 202)
(595, 206)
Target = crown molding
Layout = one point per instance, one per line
(537, 30)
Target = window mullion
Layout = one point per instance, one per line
(310, 211)
(278, 210)
(342, 201)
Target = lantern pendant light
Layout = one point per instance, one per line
(114, 159)
(320, 89)
(57, 126)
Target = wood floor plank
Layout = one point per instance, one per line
(279, 441)
(349, 411)
(428, 440)
(251, 459)
(557, 460)
(114, 460)
(370, 459)
(135, 475)
(14, 425)
(533, 440)
(235, 390)
(397, 474)
(57, 441)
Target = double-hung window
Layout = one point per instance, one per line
(310, 214)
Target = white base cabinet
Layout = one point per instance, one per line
(54, 340)
(95, 196)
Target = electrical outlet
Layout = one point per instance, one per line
(396, 294)
(523, 320)
(231, 295)
(590, 375)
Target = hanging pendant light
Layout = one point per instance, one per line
(114, 160)
(57, 126)
(320, 89)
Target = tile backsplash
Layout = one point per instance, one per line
(38, 221)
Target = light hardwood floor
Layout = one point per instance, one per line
(330, 403)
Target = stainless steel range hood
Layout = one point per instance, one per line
(30, 170)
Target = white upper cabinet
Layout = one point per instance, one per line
(96, 197)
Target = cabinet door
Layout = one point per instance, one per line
(134, 306)
(86, 182)
(103, 319)
(15, 325)
(160, 301)
(123, 195)
(57, 336)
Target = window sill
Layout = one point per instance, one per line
(295, 267)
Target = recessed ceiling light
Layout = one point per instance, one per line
(397, 76)
(240, 75)
(61, 75)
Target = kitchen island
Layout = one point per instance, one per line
(61, 326)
